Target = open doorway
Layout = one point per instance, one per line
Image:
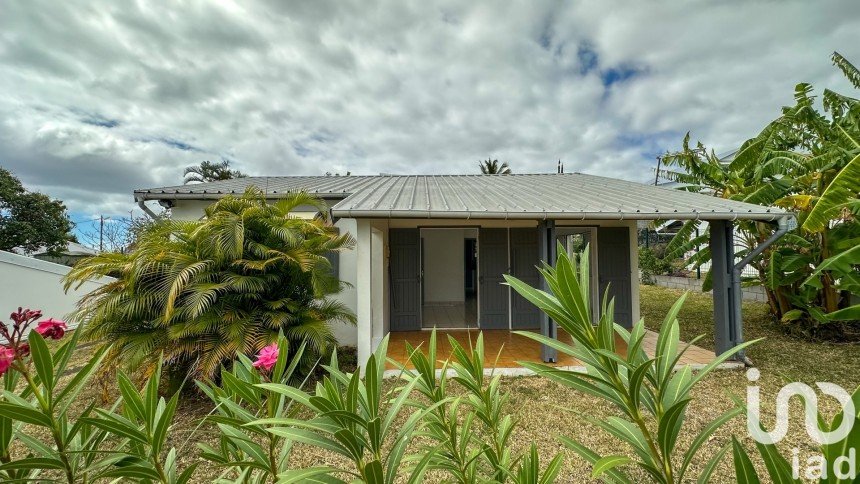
(574, 241)
(449, 276)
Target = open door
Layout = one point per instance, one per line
(493, 264)
(405, 279)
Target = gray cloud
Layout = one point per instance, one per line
(101, 97)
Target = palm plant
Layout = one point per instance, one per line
(208, 171)
(806, 162)
(492, 167)
(651, 394)
(203, 292)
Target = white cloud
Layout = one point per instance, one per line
(103, 97)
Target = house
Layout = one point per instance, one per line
(432, 249)
(69, 256)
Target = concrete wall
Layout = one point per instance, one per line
(36, 284)
(443, 265)
(752, 293)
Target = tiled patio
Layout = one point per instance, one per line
(510, 348)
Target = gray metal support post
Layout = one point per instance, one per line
(726, 309)
(546, 251)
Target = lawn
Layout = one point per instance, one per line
(545, 409)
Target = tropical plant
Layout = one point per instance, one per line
(202, 292)
(357, 419)
(95, 443)
(208, 171)
(247, 451)
(30, 221)
(33, 396)
(836, 464)
(652, 393)
(470, 434)
(140, 432)
(809, 163)
(492, 167)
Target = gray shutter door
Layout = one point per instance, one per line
(493, 263)
(613, 270)
(405, 279)
(524, 261)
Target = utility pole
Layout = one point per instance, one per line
(657, 172)
(101, 233)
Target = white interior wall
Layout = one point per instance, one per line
(443, 265)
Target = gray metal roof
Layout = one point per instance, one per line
(572, 196)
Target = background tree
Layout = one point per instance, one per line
(118, 234)
(492, 167)
(203, 292)
(31, 220)
(208, 171)
(808, 162)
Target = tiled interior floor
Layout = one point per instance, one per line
(510, 347)
(451, 314)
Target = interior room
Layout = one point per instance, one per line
(449, 267)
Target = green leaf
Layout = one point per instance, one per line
(705, 434)
(608, 462)
(841, 263)
(851, 313)
(31, 463)
(307, 474)
(116, 425)
(130, 397)
(592, 457)
(777, 467)
(373, 472)
(844, 187)
(134, 471)
(24, 414)
(708, 471)
(744, 469)
(310, 438)
(42, 360)
(670, 426)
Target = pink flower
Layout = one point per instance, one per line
(267, 357)
(7, 356)
(51, 328)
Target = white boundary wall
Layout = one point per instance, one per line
(752, 293)
(36, 284)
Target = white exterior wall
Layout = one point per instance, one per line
(36, 284)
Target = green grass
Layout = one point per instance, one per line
(779, 353)
(545, 410)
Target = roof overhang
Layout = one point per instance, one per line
(567, 215)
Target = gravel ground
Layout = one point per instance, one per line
(544, 409)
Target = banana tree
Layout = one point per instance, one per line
(809, 163)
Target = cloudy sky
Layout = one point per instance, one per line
(101, 97)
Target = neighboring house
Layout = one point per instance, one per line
(432, 250)
(68, 256)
